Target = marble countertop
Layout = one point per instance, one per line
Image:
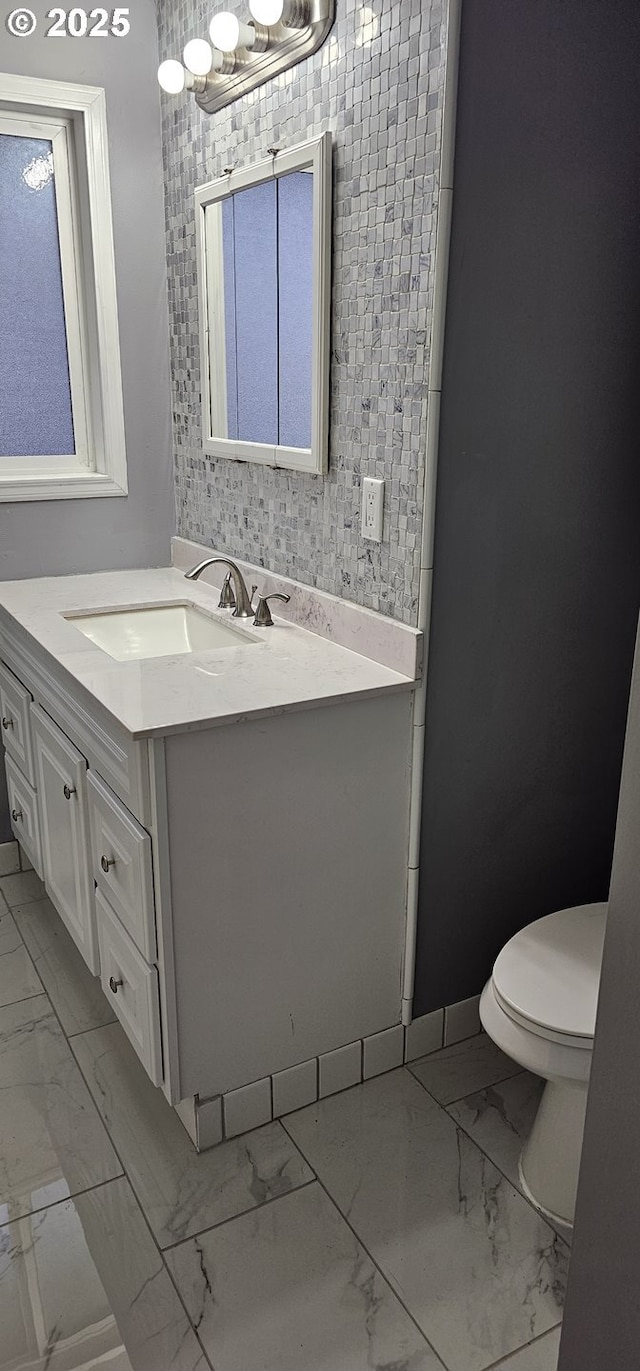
(278, 669)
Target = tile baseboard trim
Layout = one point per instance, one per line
(462, 1020)
(386, 641)
(211, 1121)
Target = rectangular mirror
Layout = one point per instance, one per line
(264, 264)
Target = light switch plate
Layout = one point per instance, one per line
(372, 509)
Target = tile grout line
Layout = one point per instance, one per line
(35, 995)
(364, 1247)
(254, 1209)
(467, 1095)
(125, 1173)
(42, 954)
(538, 1212)
(65, 1199)
(504, 1361)
(508, 1179)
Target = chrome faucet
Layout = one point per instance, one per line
(243, 608)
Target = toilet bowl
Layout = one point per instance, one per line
(539, 1007)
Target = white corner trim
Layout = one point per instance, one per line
(441, 270)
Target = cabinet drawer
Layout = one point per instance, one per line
(121, 855)
(131, 986)
(15, 702)
(23, 807)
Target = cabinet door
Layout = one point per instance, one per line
(15, 702)
(62, 792)
(23, 808)
(131, 985)
(122, 864)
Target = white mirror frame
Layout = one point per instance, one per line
(313, 156)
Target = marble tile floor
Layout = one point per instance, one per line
(381, 1229)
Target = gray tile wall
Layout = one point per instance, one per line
(377, 84)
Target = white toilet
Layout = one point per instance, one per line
(540, 1007)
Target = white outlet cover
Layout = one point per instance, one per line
(372, 509)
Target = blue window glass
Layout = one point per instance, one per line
(35, 395)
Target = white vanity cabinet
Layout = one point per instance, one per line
(238, 887)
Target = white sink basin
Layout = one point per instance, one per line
(157, 631)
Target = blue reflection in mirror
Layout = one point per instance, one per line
(267, 248)
(295, 308)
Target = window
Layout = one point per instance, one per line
(61, 417)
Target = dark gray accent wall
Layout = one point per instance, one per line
(602, 1315)
(537, 549)
(61, 537)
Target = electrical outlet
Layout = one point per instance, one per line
(372, 509)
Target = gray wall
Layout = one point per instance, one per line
(385, 114)
(602, 1315)
(537, 550)
(58, 537)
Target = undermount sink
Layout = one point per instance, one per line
(157, 631)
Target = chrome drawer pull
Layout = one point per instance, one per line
(113, 984)
(68, 791)
(7, 723)
(16, 815)
(106, 862)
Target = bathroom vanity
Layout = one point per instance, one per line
(222, 830)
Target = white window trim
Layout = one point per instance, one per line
(75, 117)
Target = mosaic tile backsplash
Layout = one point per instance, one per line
(377, 84)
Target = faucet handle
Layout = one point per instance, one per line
(263, 613)
(227, 598)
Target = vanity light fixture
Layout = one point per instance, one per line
(241, 56)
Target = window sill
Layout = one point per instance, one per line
(71, 486)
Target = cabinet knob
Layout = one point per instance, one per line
(7, 722)
(16, 815)
(68, 791)
(106, 862)
(113, 984)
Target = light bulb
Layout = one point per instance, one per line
(267, 12)
(172, 76)
(227, 33)
(294, 14)
(198, 57)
